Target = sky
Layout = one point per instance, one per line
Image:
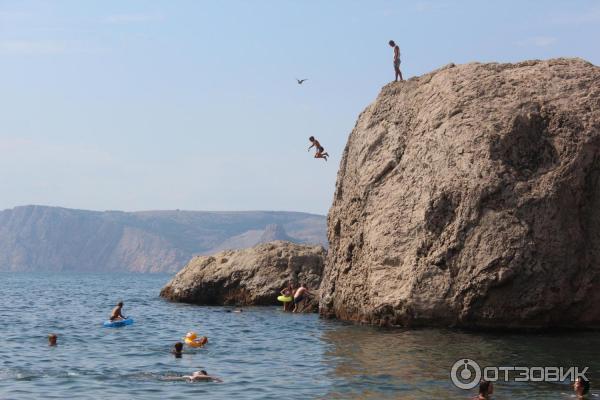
(173, 104)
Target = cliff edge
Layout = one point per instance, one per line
(470, 197)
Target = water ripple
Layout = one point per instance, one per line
(261, 353)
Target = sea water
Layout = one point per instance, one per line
(261, 353)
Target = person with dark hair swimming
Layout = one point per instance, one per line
(52, 339)
(197, 376)
(486, 389)
(177, 350)
(581, 388)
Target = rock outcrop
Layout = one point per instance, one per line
(251, 276)
(470, 197)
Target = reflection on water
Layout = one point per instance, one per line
(261, 353)
(415, 364)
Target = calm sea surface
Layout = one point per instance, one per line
(261, 353)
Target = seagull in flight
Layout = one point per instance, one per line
(301, 81)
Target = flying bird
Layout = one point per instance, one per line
(301, 81)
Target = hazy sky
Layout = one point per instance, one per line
(138, 105)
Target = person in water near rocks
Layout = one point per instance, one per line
(52, 339)
(396, 60)
(321, 153)
(287, 291)
(581, 388)
(177, 350)
(116, 314)
(301, 293)
(486, 389)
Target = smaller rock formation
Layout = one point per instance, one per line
(251, 276)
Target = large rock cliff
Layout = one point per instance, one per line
(470, 197)
(251, 276)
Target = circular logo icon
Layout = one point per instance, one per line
(465, 374)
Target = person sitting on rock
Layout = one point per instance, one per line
(177, 350)
(486, 389)
(581, 388)
(116, 314)
(321, 153)
(301, 293)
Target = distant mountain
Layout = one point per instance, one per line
(39, 238)
(252, 237)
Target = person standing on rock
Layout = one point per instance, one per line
(396, 60)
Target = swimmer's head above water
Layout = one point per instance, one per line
(486, 389)
(581, 387)
(52, 339)
(177, 349)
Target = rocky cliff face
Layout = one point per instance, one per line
(470, 197)
(253, 276)
(36, 238)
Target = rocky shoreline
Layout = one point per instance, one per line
(468, 197)
(253, 276)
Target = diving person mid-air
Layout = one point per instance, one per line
(321, 153)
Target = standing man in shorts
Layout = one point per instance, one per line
(396, 60)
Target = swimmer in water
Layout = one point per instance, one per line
(116, 314)
(52, 339)
(198, 341)
(486, 389)
(177, 350)
(198, 376)
(202, 376)
(581, 388)
(321, 153)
